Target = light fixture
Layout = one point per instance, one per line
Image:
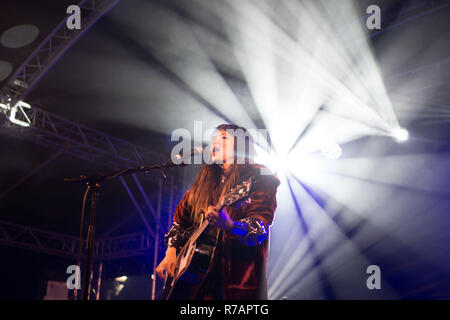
(121, 279)
(400, 135)
(331, 151)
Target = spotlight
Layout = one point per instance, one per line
(273, 161)
(281, 163)
(400, 135)
(20, 84)
(118, 288)
(121, 279)
(331, 151)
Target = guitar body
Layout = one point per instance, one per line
(194, 259)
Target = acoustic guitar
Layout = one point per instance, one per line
(194, 259)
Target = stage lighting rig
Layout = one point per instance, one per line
(400, 135)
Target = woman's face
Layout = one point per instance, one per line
(222, 148)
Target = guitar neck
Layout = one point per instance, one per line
(200, 230)
(218, 207)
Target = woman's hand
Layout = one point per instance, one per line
(219, 219)
(168, 264)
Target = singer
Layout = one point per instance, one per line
(238, 265)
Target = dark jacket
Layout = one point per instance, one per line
(243, 266)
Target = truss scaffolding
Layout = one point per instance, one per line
(52, 131)
(67, 246)
(53, 47)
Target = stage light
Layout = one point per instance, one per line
(119, 284)
(400, 135)
(331, 151)
(118, 288)
(280, 163)
(121, 279)
(277, 163)
(11, 112)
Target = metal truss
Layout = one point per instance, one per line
(67, 246)
(53, 47)
(53, 131)
(123, 246)
(56, 132)
(68, 137)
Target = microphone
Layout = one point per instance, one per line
(181, 155)
(192, 152)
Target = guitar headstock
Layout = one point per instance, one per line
(238, 192)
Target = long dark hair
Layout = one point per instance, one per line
(207, 188)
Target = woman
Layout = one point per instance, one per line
(238, 266)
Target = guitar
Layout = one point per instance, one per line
(193, 260)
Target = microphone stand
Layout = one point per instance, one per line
(93, 185)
